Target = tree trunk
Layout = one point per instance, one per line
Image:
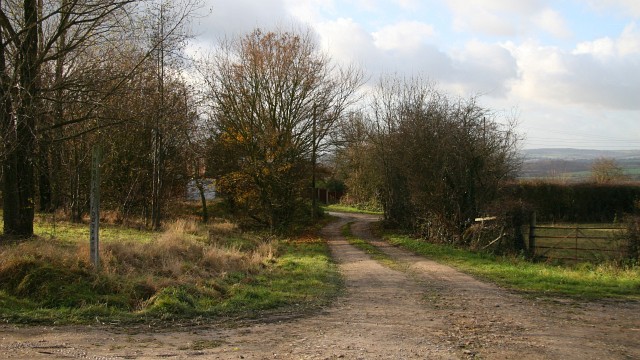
(75, 182)
(20, 222)
(9, 173)
(56, 147)
(44, 171)
(203, 200)
(156, 196)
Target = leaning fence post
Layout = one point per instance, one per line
(532, 235)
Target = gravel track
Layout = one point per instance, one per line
(427, 311)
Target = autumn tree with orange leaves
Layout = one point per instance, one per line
(275, 99)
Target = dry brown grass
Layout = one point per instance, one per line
(218, 230)
(183, 226)
(48, 251)
(223, 227)
(180, 253)
(148, 275)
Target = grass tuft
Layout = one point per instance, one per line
(177, 274)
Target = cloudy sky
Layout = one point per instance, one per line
(569, 69)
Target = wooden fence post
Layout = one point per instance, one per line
(94, 230)
(532, 235)
(577, 233)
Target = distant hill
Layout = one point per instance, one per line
(575, 164)
(578, 154)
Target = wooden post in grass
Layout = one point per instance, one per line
(94, 229)
(532, 235)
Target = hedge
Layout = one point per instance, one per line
(579, 202)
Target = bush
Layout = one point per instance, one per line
(504, 234)
(581, 202)
(633, 238)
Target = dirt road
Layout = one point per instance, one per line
(429, 311)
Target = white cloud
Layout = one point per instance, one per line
(627, 7)
(552, 22)
(494, 17)
(598, 74)
(601, 48)
(471, 18)
(237, 17)
(406, 35)
(539, 68)
(309, 11)
(401, 48)
(627, 44)
(484, 68)
(346, 41)
(507, 18)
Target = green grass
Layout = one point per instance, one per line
(303, 277)
(349, 209)
(589, 241)
(182, 274)
(73, 232)
(581, 281)
(371, 250)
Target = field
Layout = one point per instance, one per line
(575, 165)
(579, 242)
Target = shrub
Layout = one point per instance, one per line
(580, 202)
(504, 233)
(633, 238)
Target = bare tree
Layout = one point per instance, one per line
(356, 164)
(275, 98)
(31, 33)
(59, 56)
(441, 159)
(606, 170)
(168, 35)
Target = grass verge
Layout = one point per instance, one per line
(349, 209)
(580, 281)
(371, 250)
(186, 273)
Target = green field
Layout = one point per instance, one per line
(579, 242)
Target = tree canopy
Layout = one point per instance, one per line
(275, 98)
(433, 161)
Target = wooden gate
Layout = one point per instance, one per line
(577, 243)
